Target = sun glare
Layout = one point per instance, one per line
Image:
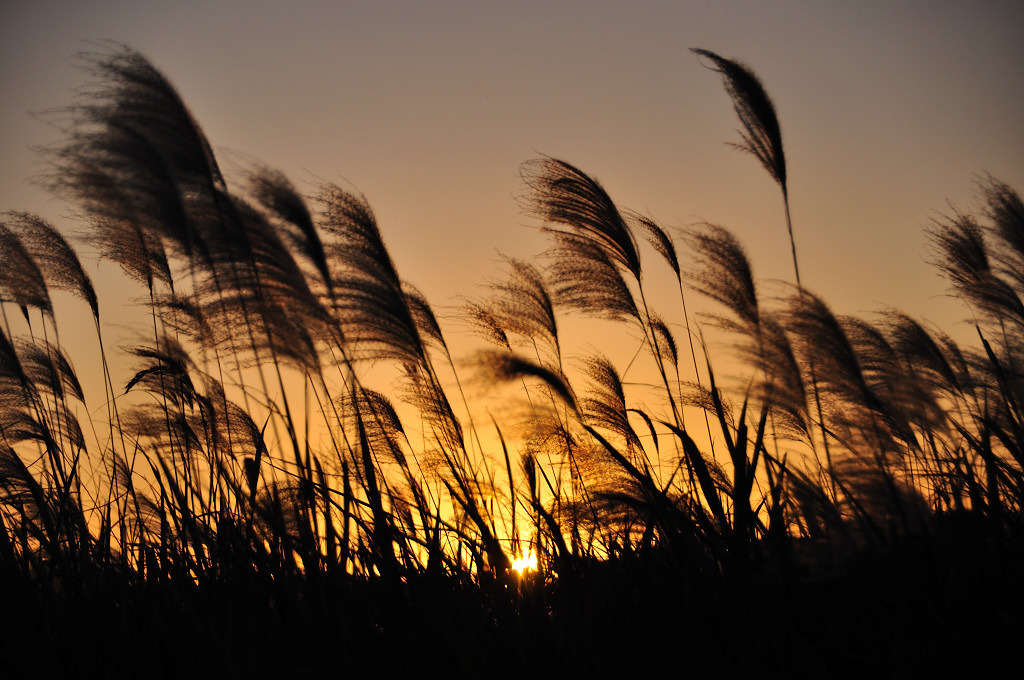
(525, 564)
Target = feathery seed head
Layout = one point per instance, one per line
(761, 134)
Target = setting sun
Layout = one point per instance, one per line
(525, 564)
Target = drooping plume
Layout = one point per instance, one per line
(135, 159)
(21, 280)
(564, 195)
(761, 134)
(57, 260)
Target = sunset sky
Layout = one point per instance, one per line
(888, 111)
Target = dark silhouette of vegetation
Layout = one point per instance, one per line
(292, 478)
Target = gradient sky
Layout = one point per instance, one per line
(888, 111)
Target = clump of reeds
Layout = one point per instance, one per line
(255, 478)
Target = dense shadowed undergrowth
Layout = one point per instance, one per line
(257, 497)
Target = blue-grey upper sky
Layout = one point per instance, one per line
(888, 110)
